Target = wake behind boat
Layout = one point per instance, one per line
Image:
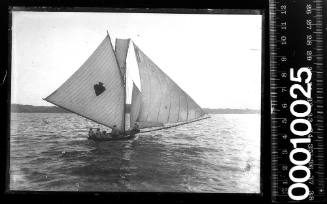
(97, 91)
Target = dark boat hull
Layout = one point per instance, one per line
(126, 137)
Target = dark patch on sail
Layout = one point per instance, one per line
(99, 88)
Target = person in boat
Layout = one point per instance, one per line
(136, 128)
(133, 130)
(98, 133)
(91, 133)
(104, 133)
(115, 131)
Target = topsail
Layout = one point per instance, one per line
(96, 89)
(121, 49)
(163, 101)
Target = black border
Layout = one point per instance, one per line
(231, 7)
(145, 4)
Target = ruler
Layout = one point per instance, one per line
(297, 75)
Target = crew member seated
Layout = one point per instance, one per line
(91, 133)
(136, 128)
(98, 133)
(133, 130)
(115, 131)
(104, 133)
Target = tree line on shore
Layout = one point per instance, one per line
(18, 108)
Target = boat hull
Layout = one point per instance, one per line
(110, 138)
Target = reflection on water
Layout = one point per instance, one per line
(50, 151)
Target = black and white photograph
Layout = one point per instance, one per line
(136, 102)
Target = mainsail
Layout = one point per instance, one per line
(96, 89)
(163, 101)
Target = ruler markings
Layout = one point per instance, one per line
(309, 53)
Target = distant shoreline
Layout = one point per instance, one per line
(19, 108)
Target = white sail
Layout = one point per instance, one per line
(135, 104)
(163, 101)
(121, 49)
(96, 89)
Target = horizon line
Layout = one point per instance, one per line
(130, 104)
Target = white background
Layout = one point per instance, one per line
(216, 59)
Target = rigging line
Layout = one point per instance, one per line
(4, 79)
(175, 125)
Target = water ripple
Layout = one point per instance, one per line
(51, 152)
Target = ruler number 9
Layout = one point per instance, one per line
(309, 24)
(283, 9)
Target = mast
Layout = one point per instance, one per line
(124, 116)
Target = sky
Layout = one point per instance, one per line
(215, 58)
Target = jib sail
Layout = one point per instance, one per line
(96, 89)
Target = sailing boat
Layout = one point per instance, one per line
(97, 91)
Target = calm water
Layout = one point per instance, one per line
(50, 152)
